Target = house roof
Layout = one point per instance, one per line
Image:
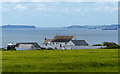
(46, 41)
(24, 46)
(62, 38)
(79, 42)
(10, 44)
(28, 43)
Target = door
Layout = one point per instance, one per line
(60, 45)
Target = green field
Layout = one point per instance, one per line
(88, 60)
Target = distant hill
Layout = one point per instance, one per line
(111, 27)
(107, 27)
(17, 26)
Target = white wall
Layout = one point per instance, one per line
(55, 45)
(48, 45)
(85, 47)
(70, 43)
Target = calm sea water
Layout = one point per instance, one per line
(92, 36)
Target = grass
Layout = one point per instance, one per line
(88, 60)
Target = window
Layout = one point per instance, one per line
(60, 45)
(32, 47)
(46, 44)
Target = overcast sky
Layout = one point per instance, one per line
(60, 14)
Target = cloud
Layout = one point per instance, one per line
(62, 8)
(5, 9)
(106, 8)
(78, 10)
(20, 7)
(41, 9)
(98, 8)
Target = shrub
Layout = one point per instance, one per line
(2, 49)
(43, 48)
(97, 45)
(12, 49)
(50, 49)
(111, 45)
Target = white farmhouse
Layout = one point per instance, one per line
(67, 42)
(58, 42)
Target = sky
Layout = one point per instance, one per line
(59, 14)
(60, 0)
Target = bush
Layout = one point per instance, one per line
(2, 49)
(111, 45)
(50, 49)
(97, 45)
(43, 48)
(12, 49)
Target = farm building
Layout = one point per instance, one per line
(63, 42)
(27, 46)
(77, 43)
(47, 43)
(58, 42)
(10, 46)
(67, 42)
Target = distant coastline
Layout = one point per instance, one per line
(103, 27)
(17, 26)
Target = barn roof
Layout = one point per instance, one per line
(29, 43)
(47, 40)
(79, 42)
(62, 38)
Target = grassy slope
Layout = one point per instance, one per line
(89, 60)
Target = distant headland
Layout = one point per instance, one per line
(17, 26)
(103, 27)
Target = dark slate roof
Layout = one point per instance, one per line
(80, 42)
(62, 38)
(34, 43)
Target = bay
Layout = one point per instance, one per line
(92, 36)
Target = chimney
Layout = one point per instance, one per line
(45, 38)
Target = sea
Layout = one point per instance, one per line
(92, 36)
